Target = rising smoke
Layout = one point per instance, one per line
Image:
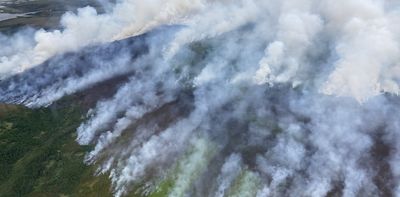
(227, 97)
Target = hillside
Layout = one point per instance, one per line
(38, 151)
(39, 155)
(182, 98)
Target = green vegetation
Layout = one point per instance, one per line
(188, 169)
(246, 185)
(39, 155)
(180, 177)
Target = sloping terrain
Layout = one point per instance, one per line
(39, 155)
(38, 151)
(224, 98)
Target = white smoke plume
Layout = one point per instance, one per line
(229, 172)
(232, 98)
(361, 25)
(87, 27)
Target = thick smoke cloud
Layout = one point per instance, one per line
(362, 25)
(86, 27)
(235, 98)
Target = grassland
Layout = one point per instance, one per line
(39, 155)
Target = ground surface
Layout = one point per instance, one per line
(38, 153)
(37, 13)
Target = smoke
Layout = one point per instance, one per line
(296, 28)
(360, 26)
(86, 27)
(229, 172)
(232, 98)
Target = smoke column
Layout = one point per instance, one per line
(227, 97)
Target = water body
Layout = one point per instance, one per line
(37, 13)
